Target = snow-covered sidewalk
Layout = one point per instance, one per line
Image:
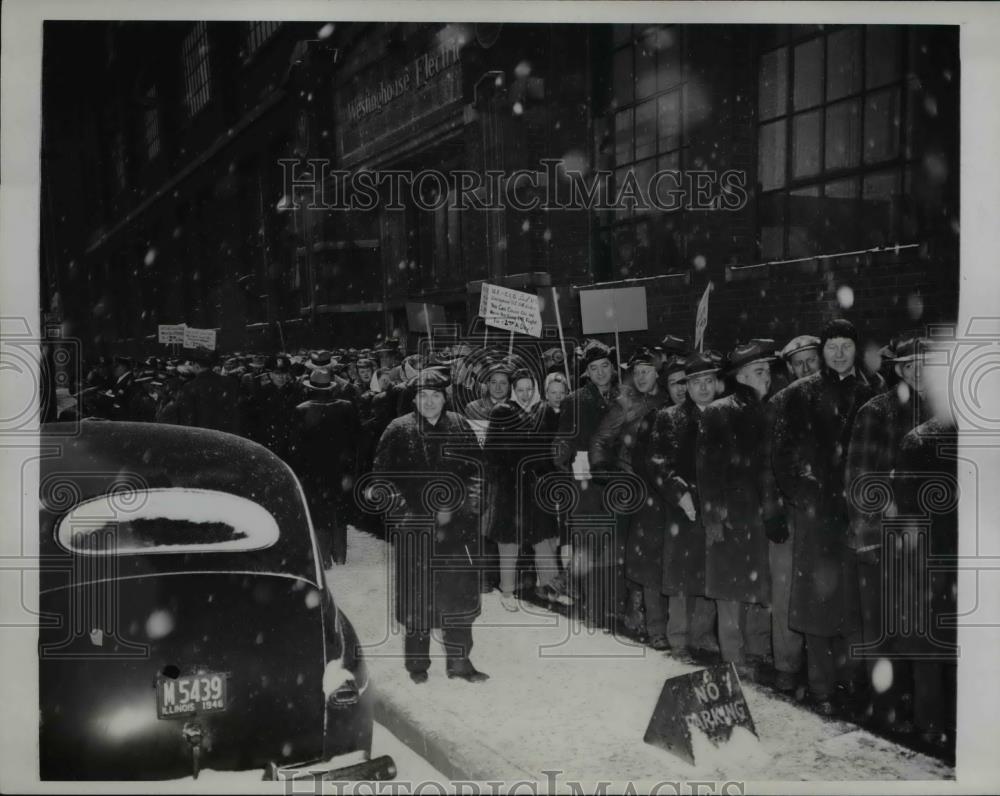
(565, 698)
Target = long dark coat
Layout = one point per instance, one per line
(581, 416)
(436, 580)
(926, 489)
(878, 432)
(811, 437)
(545, 523)
(622, 443)
(673, 466)
(209, 401)
(735, 496)
(509, 448)
(276, 416)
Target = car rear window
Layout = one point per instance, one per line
(166, 521)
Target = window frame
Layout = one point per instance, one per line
(197, 66)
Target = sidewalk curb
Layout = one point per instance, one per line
(451, 759)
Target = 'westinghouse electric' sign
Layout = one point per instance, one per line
(413, 76)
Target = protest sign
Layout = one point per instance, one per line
(171, 333)
(613, 310)
(701, 321)
(199, 338)
(513, 310)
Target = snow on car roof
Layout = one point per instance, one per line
(176, 520)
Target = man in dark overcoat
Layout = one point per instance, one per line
(322, 443)
(672, 462)
(276, 400)
(620, 444)
(875, 444)
(208, 400)
(434, 452)
(736, 497)
(810, 442)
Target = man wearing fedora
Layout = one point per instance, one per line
(208, 400)
(812, 432)
(322, 449)
(691, 615)
(872, 456)
(436, 578)
(736, 498)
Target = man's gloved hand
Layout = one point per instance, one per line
(686, 504)
(776, 528)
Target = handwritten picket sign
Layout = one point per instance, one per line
(199, 338)
(171, 334)
(512, 310)
(709, 701)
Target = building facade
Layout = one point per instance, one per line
(231, 176)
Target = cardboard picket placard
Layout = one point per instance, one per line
(511, 310)
(710, 701)
(171, 333)
(199, 338)
(613, 310)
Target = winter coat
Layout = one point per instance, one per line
(673, 468)
(621, 443)
(878, 432)
(432, 468)
(735, 496)
(276, 416)
(323, 435)
(545, 522)
(810, 441)
(209, 401)
(581, 416)
(925, 486)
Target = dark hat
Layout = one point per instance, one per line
(320, 359)
(553, 356)
(766, 344)
(838, 328)
(673, 345)
(745, 353)
(232, 363)
(644, 355)
(906, 350)
(365, 362)
(389, 344)
(800, 343)
(319, 380)
(496, 366)
(120, 359)
(674, 364)
(699, 364)
(594, 351)
(431, 379)
(282, 364)
(258, 362)
(521, 373)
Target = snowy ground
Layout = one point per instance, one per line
(562, 697)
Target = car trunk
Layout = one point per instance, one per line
(98, 676)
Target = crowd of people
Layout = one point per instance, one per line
(723, 507)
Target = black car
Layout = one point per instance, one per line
(185, 619)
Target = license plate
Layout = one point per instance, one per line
(189, 694)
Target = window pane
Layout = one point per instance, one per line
(771, 36)
(623, 250)
(667, 43)
(843, 64)
(670, 189)
(623, 136)
(669, 121)
(643, 260)
(808, 70)
(881, 55)
(644, 173)
(645, 130)
(909, 221)
(882, 125)
(840, 208)
(773, 84)
(623, 207)
(843, 135)
(623, 78)
(645, 68)
(771, 155)
(805, 221)
(772, 226)
(621, 34)
(805, 145)
(880, 193)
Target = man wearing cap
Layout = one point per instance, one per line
(812, 432)
(279, 395)
(673, 373)
(322, 440)
(801, 356)
(433, 451)
(208, 400)
(872, 456)
(620, 444)
(736, 497)
(672, 461)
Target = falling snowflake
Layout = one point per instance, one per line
(150, 257)
(159, 624)
(882, 675)
(845, 297)
(518, 109)
(699, 262)
(523, 69)
(325, 32)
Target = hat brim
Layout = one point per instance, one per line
(794, 351)
(733, 367)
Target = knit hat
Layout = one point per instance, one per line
(838, 328)
(431, 379)
(594, 351)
